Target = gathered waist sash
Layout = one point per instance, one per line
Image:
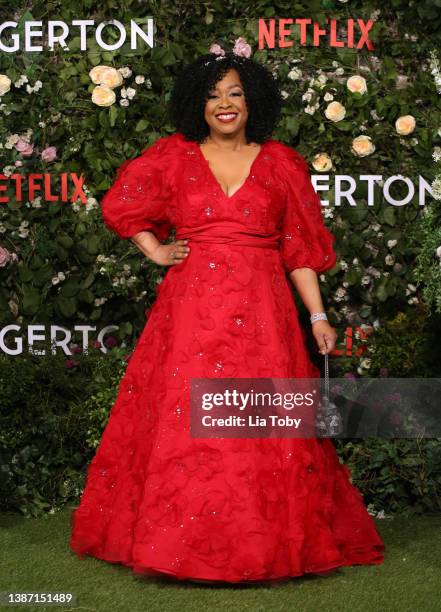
(225, 232)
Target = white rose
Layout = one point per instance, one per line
(401, 81)
(328, 97)
(310, 109)
(110, 77)
(356, 84)
(335, 111)
(322, 162)
(405, 125)
(125, 72)
(295, 74)
(139, 79)
(391, 243)
(95, 74)
(438, 252)
(363, 146)
(106, 75)
(103, 96)
(5, 84)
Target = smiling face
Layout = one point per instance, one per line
(225, 110)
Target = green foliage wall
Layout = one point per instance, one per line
(59, 264)
(64, 270)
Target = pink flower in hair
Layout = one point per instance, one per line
(216, 49)
(241, 47)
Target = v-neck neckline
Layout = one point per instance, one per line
(214, 179)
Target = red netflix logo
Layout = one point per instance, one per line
(42, 185)
(348, 350)
(267, 33)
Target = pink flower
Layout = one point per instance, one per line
(216, 49)
(25, 148)
(49, 154)
(5, 257)
(96, 344)
(70, 363)
(18, 163)
(110, 342)
(241, 47)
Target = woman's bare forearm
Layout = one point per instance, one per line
(146, 241)
(305, 281)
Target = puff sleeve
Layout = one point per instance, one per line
(139, 198)
(305, 240)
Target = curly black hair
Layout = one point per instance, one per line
(192, 86)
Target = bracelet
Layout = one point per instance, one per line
(318, 316)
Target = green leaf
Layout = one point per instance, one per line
(36, 262)
(94, 57)
(381, 291)
(168, 59)
(86, 296)
(31, 300)
(65, 241)
(93, 245)
(344, 126)
(125, 329)
(353, 277)
(42, 276)
(88, 281)
(24, 274)
(70, 287)
(389, 215)
(66, 306)
(104, 122)
(365, 311)
(62, 254)
(113, 114)
(142, 125)
(292, 124)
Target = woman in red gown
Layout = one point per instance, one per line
(230, 509)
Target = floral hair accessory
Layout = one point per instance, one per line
(240, 49)
(217, 50)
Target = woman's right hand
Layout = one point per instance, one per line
(170, 254)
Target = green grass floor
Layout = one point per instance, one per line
(35, 556)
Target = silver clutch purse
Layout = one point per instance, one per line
(328, 418)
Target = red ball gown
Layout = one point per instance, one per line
(232, 509)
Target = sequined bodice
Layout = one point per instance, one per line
(170, 185)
